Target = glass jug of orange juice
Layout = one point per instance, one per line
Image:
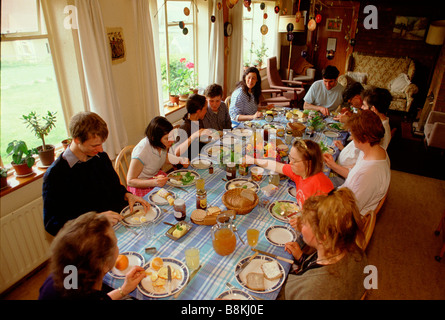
(223, 237)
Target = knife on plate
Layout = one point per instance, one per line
(245, 264)
(273, 256)
(188, 281)
(131, 214)
(169, 279)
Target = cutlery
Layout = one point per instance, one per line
(131, 214)
(169, 279)
(231, 287)
(273, 256)
(236, 231)
(181, 189)
(188, 281)
(129, 229)
(245, 264)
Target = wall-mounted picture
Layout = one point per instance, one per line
(117, 45)
(410, 28)
(333, 24)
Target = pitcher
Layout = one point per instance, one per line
(223, 237)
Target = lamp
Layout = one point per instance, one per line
(283, 23)
(436, 33)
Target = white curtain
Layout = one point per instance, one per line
(216, 59)
(148, 74)
(100, 88)
(235, 60)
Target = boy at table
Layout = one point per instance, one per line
(83, 179)
(217, 116)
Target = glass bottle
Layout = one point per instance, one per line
(180, 209)
(223, 237)
(231, 171)
(243, 168)
(201, 195)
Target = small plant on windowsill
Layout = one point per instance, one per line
(181, 77)
(260, 53)
(42, 126)
(3, 177)
(22, 157)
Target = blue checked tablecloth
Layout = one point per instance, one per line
(216, 270)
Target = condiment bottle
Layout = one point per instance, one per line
(231, 171)
(288, 137)
(180, 209)
(269, 116)
(243, 168)
(201, 195)
(211, 168)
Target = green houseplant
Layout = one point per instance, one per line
(181, 78)
(260, 54)
(3, 177)
(42, 126)
(22, 157)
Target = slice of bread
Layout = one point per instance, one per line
(198, 215)
(271, 270)
(255, 281)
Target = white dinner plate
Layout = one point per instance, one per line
(157, 199)
(134, 259)
(141, 217)
(213, 151)
(242, 183)
(146, 285)
(242, 132)
(234, 294)
(175, 183)
(280, 235)
(331, 134)
(292, 191)
(278, 216)
(255, 266)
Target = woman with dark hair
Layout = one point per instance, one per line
(88, 246)
(305, 168)
(331, 224)
(193, 126)
(246, 97)
(149, 155)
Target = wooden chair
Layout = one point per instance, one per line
(381, 202)
(368, 221)
(122, 164)
(227, 102)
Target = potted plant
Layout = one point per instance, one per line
(34, 121)
(181, 79)
(260, 54)
(3, 177)
(66, 143)
(22, 159)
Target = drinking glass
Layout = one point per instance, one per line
(252, 237)
(192, 258)
(148, 230)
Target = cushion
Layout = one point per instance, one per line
(358, 76)
(301, 65)
(399, 83)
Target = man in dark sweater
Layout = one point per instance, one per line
(83, 179)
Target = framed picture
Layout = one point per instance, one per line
(117, 45)
(333, 24)
(410, 28)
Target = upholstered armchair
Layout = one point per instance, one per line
(435, 130)
(392, 73)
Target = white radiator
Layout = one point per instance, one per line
(23, 243)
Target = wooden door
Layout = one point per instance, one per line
(338, 24)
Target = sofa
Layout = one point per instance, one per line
(392, 73)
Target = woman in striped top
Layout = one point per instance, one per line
(246, 97)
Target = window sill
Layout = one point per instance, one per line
(168, 110)
(15, 183)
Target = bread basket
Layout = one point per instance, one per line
(233, 200)
(296, 128)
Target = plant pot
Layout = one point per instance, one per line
(66, 143)
(21, 169)
(46, 156)
(174, 99)
(3, 182)
(183, 97)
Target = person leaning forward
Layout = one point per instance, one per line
(83, 179)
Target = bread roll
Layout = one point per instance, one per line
(255, 281)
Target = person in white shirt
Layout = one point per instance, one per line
(370, 177)
(325, 95)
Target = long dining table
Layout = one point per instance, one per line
(216, 271)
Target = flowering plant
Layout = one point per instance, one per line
(181, 77)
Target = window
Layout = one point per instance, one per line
(177, 43)
(28, 81)
(256, 45)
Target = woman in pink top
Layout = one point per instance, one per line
(305, 168)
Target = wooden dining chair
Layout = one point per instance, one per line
(227, 102)
(122, 164)
(381, 202)
(368, 221)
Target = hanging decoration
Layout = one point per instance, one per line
(247, 3)
(185, 31)
(181, 24)
(213, 18)
(186, 11)
(262, 5)
(298, 15)
(264, 29)
(304, 53)
(277, 9)
(219, 5)
(318, 18)
(311, 25)
(265, 15)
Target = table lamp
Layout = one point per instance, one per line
(436, 33)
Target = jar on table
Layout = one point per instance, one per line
(231, 171)
(269, 116)
(288, 137)
(180, 209)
